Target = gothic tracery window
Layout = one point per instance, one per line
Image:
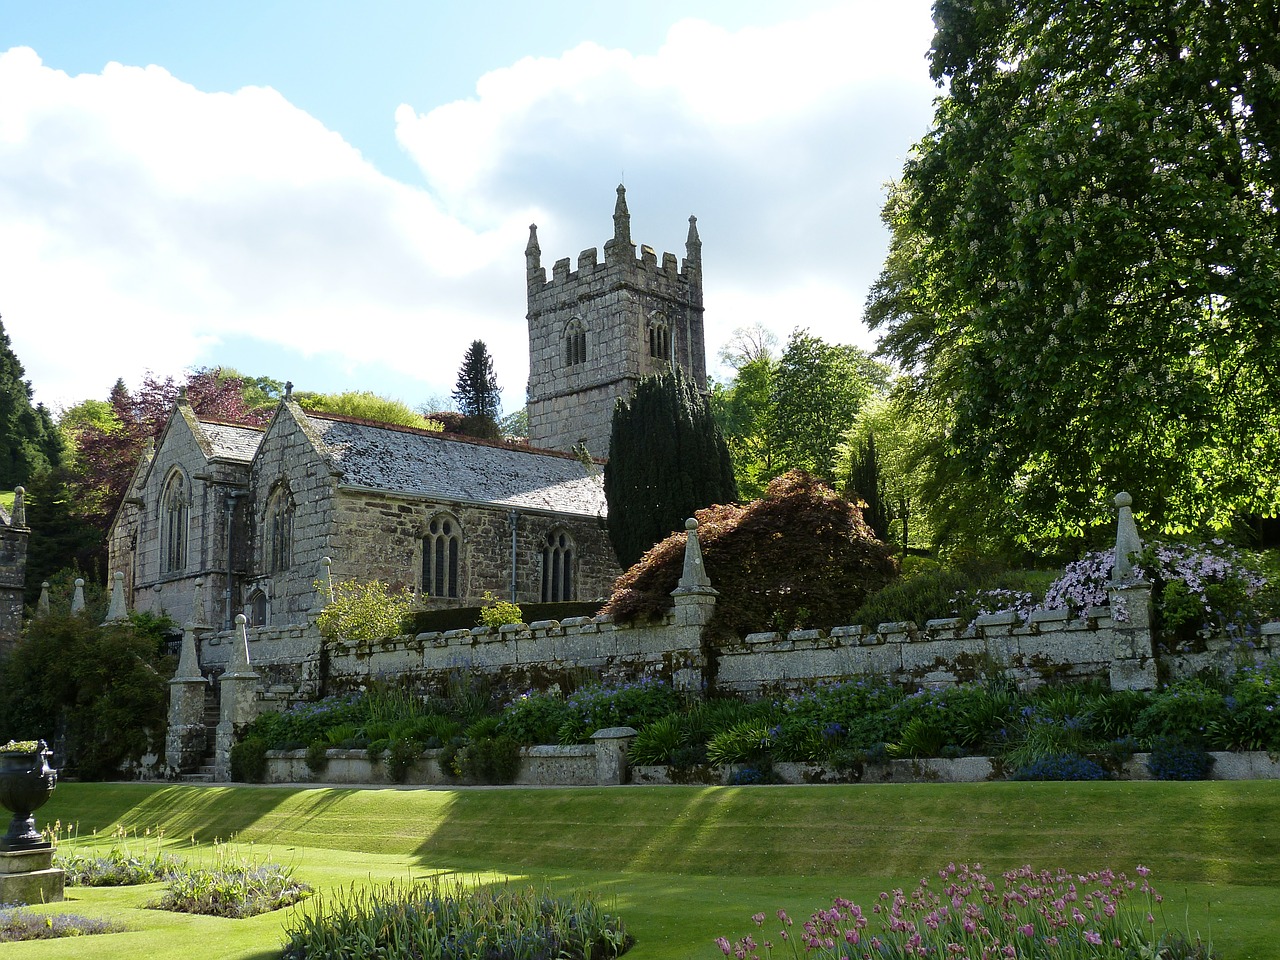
(558, 581)
(278, 530)
(174, 514)
(441, 557)
(575, 343)
(658, 340)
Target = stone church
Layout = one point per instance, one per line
(221, 519)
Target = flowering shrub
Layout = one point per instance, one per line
(1175, 760)
(1064, 766)
(497, 612)
(365, 612)
(1038, 913)
(634, 704)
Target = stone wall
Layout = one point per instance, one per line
(380, 537)
(135, 547)
(287, 458)
(13, 572)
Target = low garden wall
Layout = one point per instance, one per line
(572, 766)
(577, 766)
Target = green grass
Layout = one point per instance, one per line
(684, 865)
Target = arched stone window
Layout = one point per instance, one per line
(175, 505)
(575, 343)
(277, 530)
(441, 557)
(558, 580)
(659, 342)
(257, 607)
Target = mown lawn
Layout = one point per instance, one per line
(686, 864)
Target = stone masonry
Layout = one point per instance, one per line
(13, 570)
(632, 316)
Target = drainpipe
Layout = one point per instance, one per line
(514, 518)
(232, 497)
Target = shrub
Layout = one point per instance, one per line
(127, 862)
(596, 707)
(364, 612)
(102, 686)
(249, 760)
(802, 545)
(534, 717)
(443, 919)
(497, 612)
(232, 889)
(19, 923)
(1173, 759)
(658, 742)
(749, 741)
(317, 758)
(490, 760)
(402, 754)
(1062, 766)
(1186, 710)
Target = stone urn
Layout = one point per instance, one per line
(26, 780)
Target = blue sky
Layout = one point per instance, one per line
(340, 194)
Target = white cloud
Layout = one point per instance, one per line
(145, 223)
(142, 221)
(779, 138)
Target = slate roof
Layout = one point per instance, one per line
(231, 442)
(448, 468)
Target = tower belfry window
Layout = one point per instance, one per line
(575, 343)
(658, 340)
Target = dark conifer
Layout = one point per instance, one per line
(667, 459)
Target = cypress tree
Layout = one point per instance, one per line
(667, 459)
(29, 442)
(865, 482)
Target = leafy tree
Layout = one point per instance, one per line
(743, 410)
(666, 460)
(818, 389)
(28, 440)
(63, 532)
(104, 687)
(108, 447)
(1085, 261)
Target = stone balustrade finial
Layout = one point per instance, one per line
(118, 611)
(77, 598)
(42, 605)
(694, 576)
(19, 514)
(1127, 540)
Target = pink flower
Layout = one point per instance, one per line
(1026, 929)
(1143, 871)
(758, 918)
(724, 946)
(1093, 938)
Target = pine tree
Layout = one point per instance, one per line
(29, 442)
(476, 392)
(667, 459)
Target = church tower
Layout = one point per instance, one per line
(595, 331)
